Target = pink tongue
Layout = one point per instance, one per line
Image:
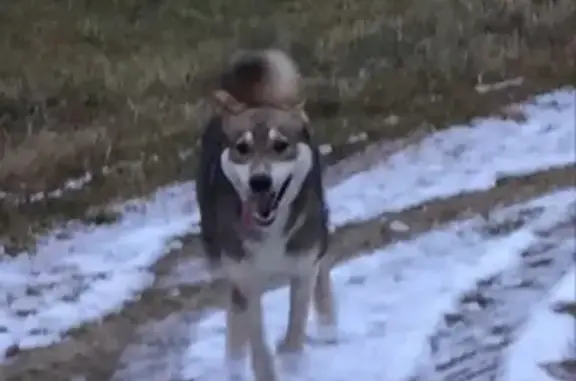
(247, 211)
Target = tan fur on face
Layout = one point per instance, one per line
(252, 136)
(260, 128)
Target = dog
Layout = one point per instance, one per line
(263, 211)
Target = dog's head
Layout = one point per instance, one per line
(266, 156)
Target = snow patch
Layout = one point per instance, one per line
(547, 337)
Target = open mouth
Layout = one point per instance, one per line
(262, 207)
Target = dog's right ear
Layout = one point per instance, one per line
(226, 102)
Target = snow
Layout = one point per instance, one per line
(548, 336)
(70, 185)
(84, 272)
(462, 159)
(390, 301)
(92, 273)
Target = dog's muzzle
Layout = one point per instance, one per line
(262, 205)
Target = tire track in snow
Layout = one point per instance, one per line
(471, 341)
(546, 344)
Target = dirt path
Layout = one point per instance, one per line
(94, 351)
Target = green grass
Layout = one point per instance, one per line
(121, 84)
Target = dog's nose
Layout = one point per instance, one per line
(260, 183)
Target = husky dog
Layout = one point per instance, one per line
(261, 200)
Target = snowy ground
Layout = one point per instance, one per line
(82, 273)
(545, 338)
(391, 300)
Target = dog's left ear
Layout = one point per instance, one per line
(225, 101)
(301, 110)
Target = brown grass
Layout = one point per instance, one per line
(116, 87)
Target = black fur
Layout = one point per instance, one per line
(242, 80)
(317, 212)
(210, 183)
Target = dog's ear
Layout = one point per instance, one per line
(300, 104)
(226, 102)
(301, 110)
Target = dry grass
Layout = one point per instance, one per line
(115, 87)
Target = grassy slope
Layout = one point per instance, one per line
(119, 84)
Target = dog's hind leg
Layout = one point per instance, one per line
(325, 305)
(236, 335)
(261, 359)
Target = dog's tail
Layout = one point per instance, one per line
(262, 77)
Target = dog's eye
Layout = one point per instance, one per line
(242, 148)
(279, 146)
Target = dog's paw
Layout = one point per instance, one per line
(236, 370)
(288, 347)
(291, 363)
(325, 335)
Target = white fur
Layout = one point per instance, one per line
(267, 257)
(239, 174)
(248, 136)
(274, 134)
(284, 79)
(299, 169)
(267, 260)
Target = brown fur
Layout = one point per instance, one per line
(259, 105)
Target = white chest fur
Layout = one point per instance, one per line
(267, 258)
(267, 255)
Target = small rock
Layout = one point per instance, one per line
(399, 226)
(357, 279)
(392, 120)
(12, 350)
(357, 138)
(175, 245)
(325, 149)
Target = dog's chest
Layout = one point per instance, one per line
(268, 254)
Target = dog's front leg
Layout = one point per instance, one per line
(325, 305)
(236, 335)
(262, 360)
(301, 288)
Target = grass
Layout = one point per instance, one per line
(116, 88)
